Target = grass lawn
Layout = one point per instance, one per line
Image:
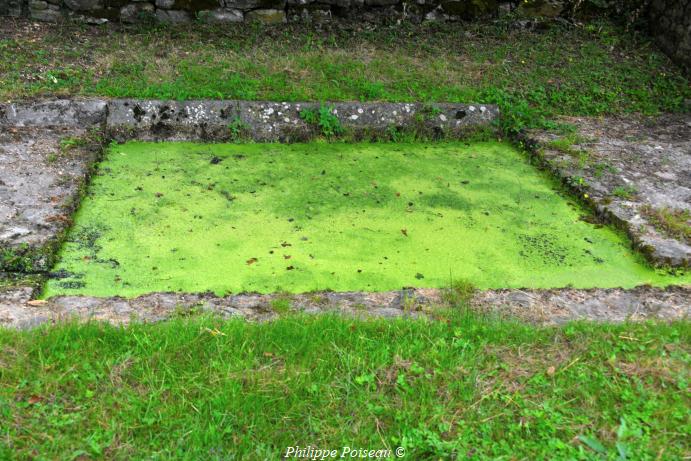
(592, 69)
(302, 217)
(201, 388)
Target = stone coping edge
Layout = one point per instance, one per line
(18, 309)
(660, 252)
(212, 120)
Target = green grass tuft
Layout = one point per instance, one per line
(673, 222)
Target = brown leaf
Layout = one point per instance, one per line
(290, 268)
(58, 218)
(550, 371)
(251, 261)
(287, 256)
(34, 399)
(404, 232)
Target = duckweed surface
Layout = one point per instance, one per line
(267, 217)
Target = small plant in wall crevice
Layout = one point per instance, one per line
(324, 118)
(238, 129)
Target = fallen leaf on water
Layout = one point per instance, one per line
(287, 256)
(404, 232)
(290, 268)
(251, 261)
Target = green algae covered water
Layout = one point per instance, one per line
(302, 217)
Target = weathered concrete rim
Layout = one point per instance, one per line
(19, 310)
(41, 186)
(222, 120)
(604, 212)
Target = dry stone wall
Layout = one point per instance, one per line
(670, 22)
(229, 11)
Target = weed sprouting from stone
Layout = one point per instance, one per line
(238, 129)
(324, 119)
(675, 223)
(281, 304)
(459, 293)
(624, 192)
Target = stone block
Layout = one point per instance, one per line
(274, 121)
(165, 4)
(266, 16)
(84, 5)
(37, 5)
(221, 15)
(469, 10)
(173, 16)
(135, 12)
(246, 5)
(47, 15)
(381, 2)
(541, 8)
